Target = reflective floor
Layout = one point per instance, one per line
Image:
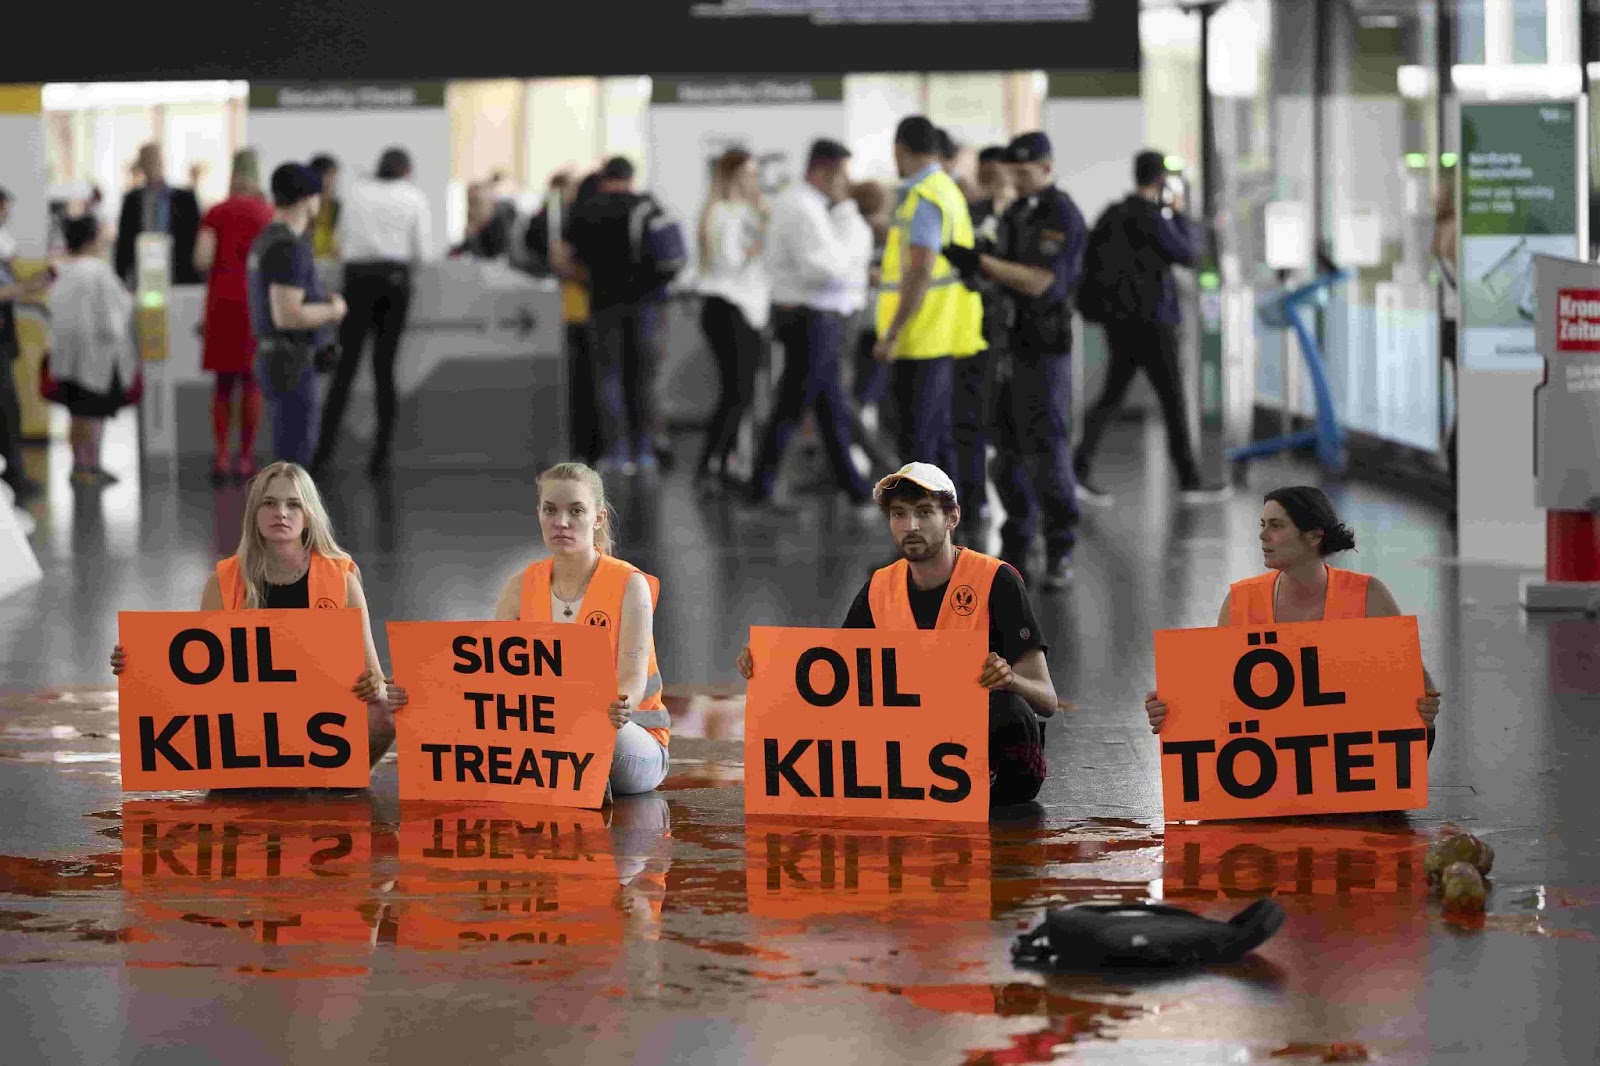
(668, 929)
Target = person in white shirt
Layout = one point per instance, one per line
(91, 346)
(385, 230)
(819, 251)
(736, 301)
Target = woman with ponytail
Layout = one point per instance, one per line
(736, 300)
(1299, 530)
(580, 581)
(287, 558)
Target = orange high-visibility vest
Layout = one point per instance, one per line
(603, 608)
(325, 582)
(1250, 600)
(966, 601)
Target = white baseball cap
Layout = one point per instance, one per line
(927, 475)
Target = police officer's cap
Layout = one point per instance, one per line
(1029, 148)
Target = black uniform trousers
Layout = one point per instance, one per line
(924, 410)
(1153, 348)
(627, 358)
(1033, 468)
(972, 416)
(583, 419)
(378, 295)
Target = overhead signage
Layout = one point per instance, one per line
(865, 723)
(242, 699)
(1291, 719)
(508, 711)
(334, 97)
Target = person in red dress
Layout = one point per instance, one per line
(226, 234)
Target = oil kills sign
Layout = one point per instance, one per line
(1293, 719)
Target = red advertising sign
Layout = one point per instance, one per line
(1577, 320)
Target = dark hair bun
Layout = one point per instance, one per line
(1337, 539)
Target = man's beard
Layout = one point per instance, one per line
(921, 551)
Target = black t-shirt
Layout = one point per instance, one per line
(598, 229)
(278, 257)
(1013, 629)
(295, 595)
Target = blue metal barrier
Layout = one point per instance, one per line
(1284, 310)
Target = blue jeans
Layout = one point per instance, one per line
(293, 414)
(1034, 470)
(626, 339)
(639, 763)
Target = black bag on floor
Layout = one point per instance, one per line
(1108, 935)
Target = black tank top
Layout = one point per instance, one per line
(295, 595)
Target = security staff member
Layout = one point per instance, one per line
(926, 318)
(923, 588)
(1038, 257)
(976, 375)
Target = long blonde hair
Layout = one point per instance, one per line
(723, 176)
(585, 475)
(317, 535)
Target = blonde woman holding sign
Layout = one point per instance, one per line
(1299, 530)
(583, 583)
(287, 557)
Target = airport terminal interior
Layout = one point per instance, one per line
(389, 255)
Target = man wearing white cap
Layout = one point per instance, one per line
(936, 585)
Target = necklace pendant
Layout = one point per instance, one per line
(568, 612)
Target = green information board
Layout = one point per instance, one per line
(1519, 197)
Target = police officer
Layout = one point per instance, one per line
(975, 375)
(1037, 259)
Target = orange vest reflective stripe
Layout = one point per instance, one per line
(603, 608)
(325, 586)
(966, 601)
(1250, 600)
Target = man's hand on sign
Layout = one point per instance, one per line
(397, 695)
(747, 665)
(369, 687)
(619, 711)
(1428, 706)
(119, 660)
(996, 673)
(1156, 710)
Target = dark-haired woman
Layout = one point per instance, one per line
(1299, 530)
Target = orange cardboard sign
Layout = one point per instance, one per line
(506, 874)
(866, 723)
(1205, 862)
(504, 711)
(800, 874)
(1291, 719)
(229, 699)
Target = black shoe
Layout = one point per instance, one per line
(378, 467)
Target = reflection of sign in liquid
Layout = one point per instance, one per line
(510, 875)
(802, 873)
(1301, 718)
(1205, 862)
(206, 877)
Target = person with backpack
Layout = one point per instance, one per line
(291, 314)
(1128, 288)
(1035, 262)
(628, 249)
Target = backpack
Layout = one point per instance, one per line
(660, 251)
(1122, 275)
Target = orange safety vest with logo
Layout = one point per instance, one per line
(325, 585)
(1250, 600)
(966, 601)
(603, 608)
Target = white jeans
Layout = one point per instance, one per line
(639, 763)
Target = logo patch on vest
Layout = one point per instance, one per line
(597, 618)
(963, 600)
(324, 602)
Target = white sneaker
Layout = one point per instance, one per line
(25, 522)
(1093, 495)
